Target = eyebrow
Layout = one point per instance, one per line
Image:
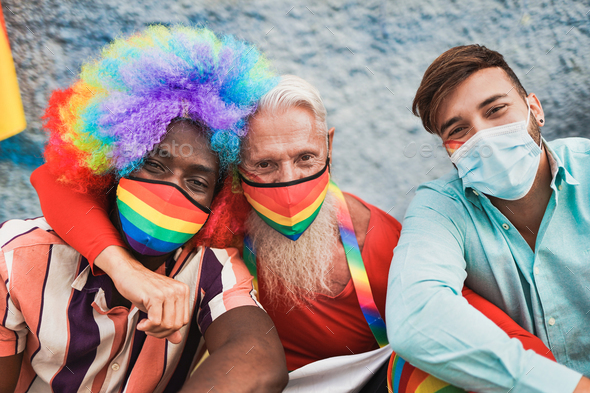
(201, 168)
(157, 151)
(193, 167)
(490, 100)
(297, 154)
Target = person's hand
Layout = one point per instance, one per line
(164, 300)
(583, 386)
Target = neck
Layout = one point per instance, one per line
(152, 263)
(526, 214)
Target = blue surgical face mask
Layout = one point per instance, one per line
(500, 161)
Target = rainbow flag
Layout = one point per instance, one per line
(157, 218)
(405, 378)
(12, 114)
(301, 203)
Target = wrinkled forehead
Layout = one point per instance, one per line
(283, 131)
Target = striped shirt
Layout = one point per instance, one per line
(56, 311)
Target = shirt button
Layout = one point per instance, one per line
(551, 321)
(536, 270)
(506, 226)
(475, 192)
(560, 187)
(115, 367)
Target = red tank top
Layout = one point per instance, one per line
(335, 325)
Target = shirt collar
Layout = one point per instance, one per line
(558, 170)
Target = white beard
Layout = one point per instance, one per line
(301, 267)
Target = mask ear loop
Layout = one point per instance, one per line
(328, 153)
(528, 114)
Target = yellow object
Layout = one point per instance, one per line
(12, 114)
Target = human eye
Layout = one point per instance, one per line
(457, 132)
(197, 183)
(495, 109)
(308, 158)
(153, 166)
(264, 166)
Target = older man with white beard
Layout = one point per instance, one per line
(313, 247)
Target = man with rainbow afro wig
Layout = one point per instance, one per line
(152, 126)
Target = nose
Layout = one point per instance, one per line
(287, 173)
(175, 177)
(473, 128)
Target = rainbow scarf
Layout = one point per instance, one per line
(356, 265)
(360, 279)
(289, 207)
(157, 217)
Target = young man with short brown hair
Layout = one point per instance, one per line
(511, 222)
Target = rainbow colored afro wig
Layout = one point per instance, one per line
(104, 125)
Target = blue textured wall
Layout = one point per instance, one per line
(366, 58)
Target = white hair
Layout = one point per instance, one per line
(295, 91)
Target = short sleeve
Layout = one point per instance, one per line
(13, 329)
(225, 284)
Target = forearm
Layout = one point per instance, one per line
(10, 366)
(251, 361)
(238, 367)
(117, 262)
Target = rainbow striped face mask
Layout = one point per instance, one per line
(288, 207)
(157, 217)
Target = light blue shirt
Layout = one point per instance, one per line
(453, 236)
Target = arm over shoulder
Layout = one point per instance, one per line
(82, 220)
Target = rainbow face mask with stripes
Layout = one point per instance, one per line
(157, 217)
(288, 207)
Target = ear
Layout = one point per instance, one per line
(536, 109)
(330, 139)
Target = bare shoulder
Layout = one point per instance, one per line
(360, 216)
